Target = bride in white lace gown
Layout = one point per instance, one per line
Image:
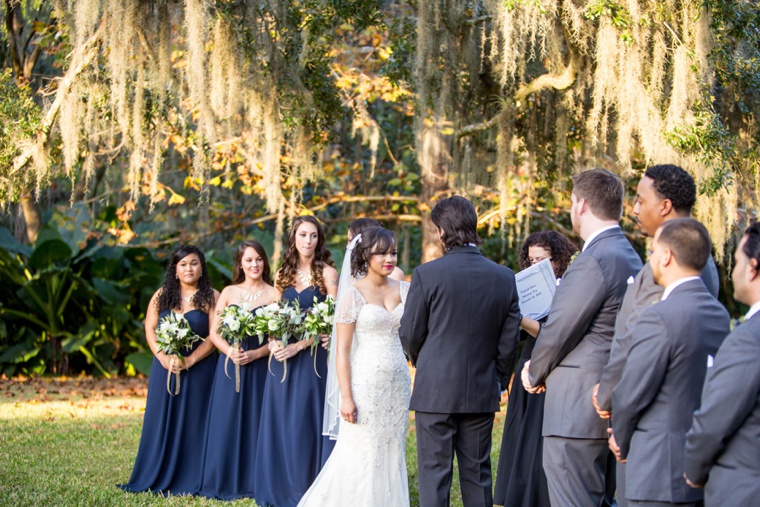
(367, 466)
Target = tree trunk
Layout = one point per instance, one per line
(32, 216)
(434, 159)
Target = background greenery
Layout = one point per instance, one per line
(128, 128)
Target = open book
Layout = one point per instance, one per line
(535, 288)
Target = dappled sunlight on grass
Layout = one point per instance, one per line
(66, 399)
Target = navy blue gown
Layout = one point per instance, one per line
(291, 449)
(228, 471)
(170, 456)
(520, 479)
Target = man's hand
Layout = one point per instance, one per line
(604, 414)
(698, 486)
(614, 447)
(525, 377)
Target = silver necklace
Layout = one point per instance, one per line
(187, 298)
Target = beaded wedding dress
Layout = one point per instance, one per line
(367, 466)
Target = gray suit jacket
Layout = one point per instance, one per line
(660, 389)
(722, 447)
(641, 294)
(574, 344)
(460, 328)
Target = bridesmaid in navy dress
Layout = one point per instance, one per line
(170, 457)
(291, 449)
(229, 471)
(521, 481)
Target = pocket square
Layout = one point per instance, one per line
(630, 280)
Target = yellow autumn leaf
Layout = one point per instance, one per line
(176, 199)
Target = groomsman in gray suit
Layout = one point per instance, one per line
(665, 192)
(722, 447)
(674, 342)
(574, 344)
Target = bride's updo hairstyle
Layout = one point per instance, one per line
(374, 240)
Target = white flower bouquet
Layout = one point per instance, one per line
(318, 320)
(280, 321)
(172, 335)
(236, 324)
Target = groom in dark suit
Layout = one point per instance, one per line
(674, 342)
(460, 329)
(722, 447)
(574, 344)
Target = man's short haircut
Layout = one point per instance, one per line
(457, 217)
(673, 183)
(752, 246)
(688, 240)
(602, 191)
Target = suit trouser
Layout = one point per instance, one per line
(439, 437)
(575, 470)
(622, 501)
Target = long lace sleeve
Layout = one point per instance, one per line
(348, 309)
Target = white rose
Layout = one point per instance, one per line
(232, 323)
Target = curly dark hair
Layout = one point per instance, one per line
(673, 183)
(560, 248)
(375, 240)
(287, 272)
(170, 299)
(360, 224)
(237, 269)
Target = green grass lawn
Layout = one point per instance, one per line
(70, 441)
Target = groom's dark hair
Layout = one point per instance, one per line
(457, 217)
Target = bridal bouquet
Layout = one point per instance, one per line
(172, 335)
(280, 321)
(237, 323)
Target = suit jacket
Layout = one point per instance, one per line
(574, 344)
(722, 447)
(660, 389)
(641, 294)
(460, 329)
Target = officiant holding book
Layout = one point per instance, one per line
(521, 481)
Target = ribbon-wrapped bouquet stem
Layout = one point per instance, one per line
(172, 335)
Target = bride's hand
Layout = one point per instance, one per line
(348, 410)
